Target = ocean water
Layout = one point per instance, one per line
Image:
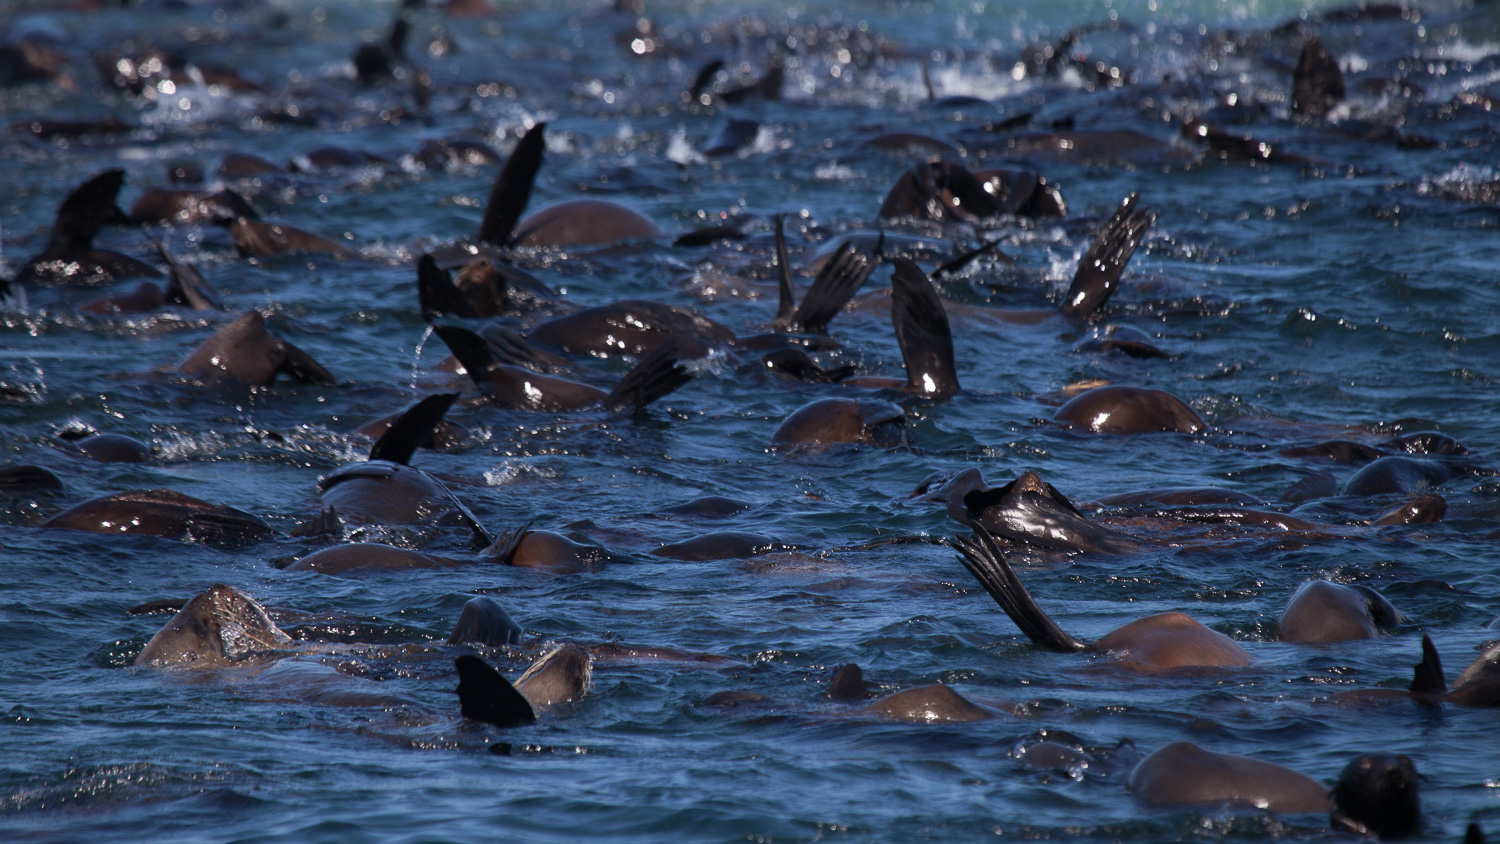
(1349, 295)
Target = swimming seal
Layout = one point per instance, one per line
(1321, 611)
(244, 351)
(1129, 410)
(484, 622)
(219, 626)
(1155, 643)
(70, 255)
(165, 513)
(842, 421)
(386, 490)
(655, 375)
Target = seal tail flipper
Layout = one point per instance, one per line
(656, 375)
(1098, 273)
(437, 293)
(412, 428)
(982, 557)
(484, 695)
(1427, 676)
(185, 285)
(469, 348)
(922, 332)
(832, 289)
(1474, 834)
(503, 549)
(508, 346)
(1317, 83)
(512, 188)
(787, 303)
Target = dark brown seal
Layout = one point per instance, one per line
(1129, 410)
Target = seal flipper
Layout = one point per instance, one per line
(412, 428)
(656, 375)
(922, 332)
(953, 265)
(848, 684)
(1098, 273)
(437, 293)
(503, 549)
(470, 349)
(300, 366)
(1317, 83)
(185, 285)
(1427, 675)
(787, 301)
(832, 289)
(484, 695)
(512, 189)
(706, 75)
(982, 557)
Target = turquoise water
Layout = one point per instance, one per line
(1349, 297)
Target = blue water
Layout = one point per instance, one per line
(1348, 298)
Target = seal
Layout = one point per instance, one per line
(244, 351)
(578, 222)
(1155, 643)
(1028, 511)
(1397, 474)
(255, 238)
(1376, 794)
(655, 375)
(543, 550)
(631, 327)
(185, 287)
(559, 676)
(165, 513)
(217, 627)
(720, 545)
(484, 622)
(1321, 611)
(368, 556)
(842, 421)
(70, 255)
(1478, 686)
(1129, 410)
(386, 490)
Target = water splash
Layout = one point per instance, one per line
(416, 357)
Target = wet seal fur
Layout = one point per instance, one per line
(1321, 611)
(70, 255)
(841, 421)
(245, 351)
(1159, 642)
(164, 513)
(1028, 510)
(1129, 410)
(219, 626)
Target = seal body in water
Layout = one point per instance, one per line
(245, 351)
(165, 513)
(839, 421)
(1321, 611)
(1129, 410)
(1159, 642)
(219, 626)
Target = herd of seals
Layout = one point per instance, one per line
(502, 300)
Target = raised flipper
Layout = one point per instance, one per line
(922, 332)
(185, 285)
(512, 189)
(470, 349)
(1317, 83)
(1427, 675)
(832, 289)
(848, 684)
(412, 428)
(508, 346)
(1098, 274)
(787, 302)
(438, 294)
(503, 550)
(704, 76)
(982, 557)
(484, 695)
(654, 376)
